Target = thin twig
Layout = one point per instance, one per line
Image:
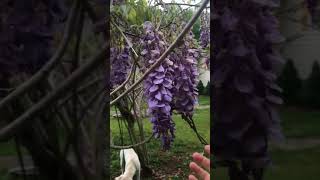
(166, 53)
(9, 130)
(132, 145)
(192, 125)
(180, 4)
(125, 37)
(81, 89)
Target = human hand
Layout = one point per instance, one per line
(199, 163)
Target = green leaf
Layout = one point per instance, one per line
(124, 10)
(132, 16)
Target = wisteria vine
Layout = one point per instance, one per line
(170, 73)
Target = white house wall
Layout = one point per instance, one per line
(305, 49)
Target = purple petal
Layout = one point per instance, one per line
(160, 69)
(144, 52)
(154, 88)
(157, 81)
(167, 98)
(159, 96)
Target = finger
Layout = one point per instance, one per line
(207, 149)
(202, 174)
(192, 177)
(202, 161)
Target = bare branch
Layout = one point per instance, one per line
(133, 145)
(125, 37)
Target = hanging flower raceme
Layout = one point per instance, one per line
(158, 85)
(186, 77)
(205, 30)
(244, 76)
(120, 65)
(205, 37)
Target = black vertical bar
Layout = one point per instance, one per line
(107, 114)
(211, 73)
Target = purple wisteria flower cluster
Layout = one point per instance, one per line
(186, 77)
(205, 30)
(244, 89)
(120, 65)
(158, 85)
(205, 36)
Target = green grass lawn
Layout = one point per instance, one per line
(300, 123)
(204, 100)
(7, 148)
(287, 164)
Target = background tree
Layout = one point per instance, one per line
(200, 87)
(313, 86)
(290, 83)
(207, 89)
